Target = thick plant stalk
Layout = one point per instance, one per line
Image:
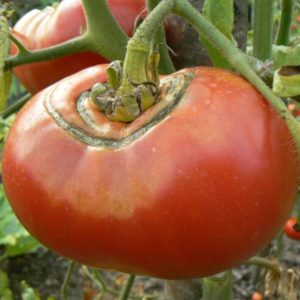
(283, 34)
(263, 29)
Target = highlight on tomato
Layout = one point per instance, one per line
(182, 191)
(292, 229)
(40, 29)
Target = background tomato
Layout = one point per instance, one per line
(289, 229)
(41, 29)
(186, 192)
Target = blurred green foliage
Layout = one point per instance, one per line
(14, 239)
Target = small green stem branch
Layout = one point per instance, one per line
(238, 61)
(15, 106)
(124, 295)
(266, 263)
(263, 29)
(165, 64)
(103, 32)
(283, 33)
(103, 36)
(64, 288)
(75, 45)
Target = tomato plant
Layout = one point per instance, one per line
(44, 28)
(290, 230)
(183, 191)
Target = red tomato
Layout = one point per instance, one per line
(290, 230)
(257, 296)
(51, 26)
(188, 189)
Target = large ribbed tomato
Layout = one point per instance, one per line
(51, 26)
(195, 185)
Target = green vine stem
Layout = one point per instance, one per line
(283, 33)
(103, 31)
(18, 43)
(103, 36)
(75, 45)
(263, 29)
(238, 61)
(264, 262)
(165, 64)
(64, 288)
(124, 295)
(13, 108)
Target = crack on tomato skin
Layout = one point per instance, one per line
(173, 88)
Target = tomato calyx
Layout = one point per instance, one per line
(99, 131)
(123, 98)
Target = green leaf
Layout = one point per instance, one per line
(285, 56)
(286, 81)
(12, 234)
(221, 14)
(5, 88)
(5, 292)
(5, 77)
(218, 287)
(28, 293)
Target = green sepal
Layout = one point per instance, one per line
(218, 287)
(144, 95)
(97, 90)
(286, 82)
(5, 291)
(114, 73)
(221, 14)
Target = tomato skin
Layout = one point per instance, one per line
(257, 296)
(41, 29)
(289, 229)
(188, 198)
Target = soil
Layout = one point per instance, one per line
(45, 271)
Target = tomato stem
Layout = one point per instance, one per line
(75, 45)
(17, 105)
(103, 32)
(64, 288)
(103, 36)
(135, 92)
(124, 295)
(218, 287)
(166, 65)
(263, 29)
(283, 33)
(266, 263)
